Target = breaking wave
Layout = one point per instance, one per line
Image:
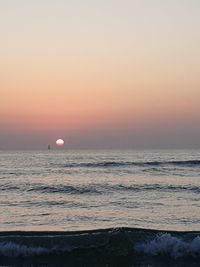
(101, 247)
(175, 247)
(13, 250)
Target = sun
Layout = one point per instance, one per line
(60, 142)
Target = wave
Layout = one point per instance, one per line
(166, 244)
(14, 250)
(64, 189)
(97, 189)
(158, 187)
(134, 246)
(102, 188)
(113, 164)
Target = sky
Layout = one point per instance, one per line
(100, 74)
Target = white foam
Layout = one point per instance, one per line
(10, 249)
(166, 244)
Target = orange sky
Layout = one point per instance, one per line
(99, 74)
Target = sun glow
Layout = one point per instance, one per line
(60, 142)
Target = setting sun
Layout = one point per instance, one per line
(60, 142)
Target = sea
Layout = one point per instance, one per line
(100, 208)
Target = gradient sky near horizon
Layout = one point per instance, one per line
(100, 74)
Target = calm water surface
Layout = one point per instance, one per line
(74, 190)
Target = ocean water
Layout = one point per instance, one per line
(62, 190)
(79, 190)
